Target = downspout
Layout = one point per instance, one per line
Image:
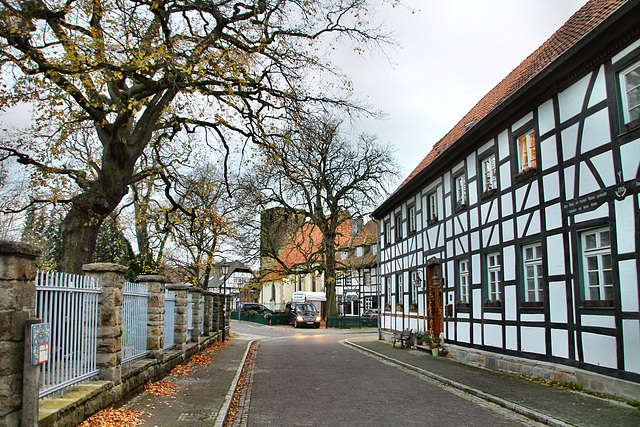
(378, 279)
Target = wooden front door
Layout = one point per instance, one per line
(434, 299)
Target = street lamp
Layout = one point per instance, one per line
(224, 269)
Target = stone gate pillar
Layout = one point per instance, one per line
(155, 314)
(109, 351)
(18, 268)
(180, 326)
(196, 295)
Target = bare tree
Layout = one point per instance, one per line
(108, 77)
(314, 171)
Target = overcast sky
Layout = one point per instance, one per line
(453, 53)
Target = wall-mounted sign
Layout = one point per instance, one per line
(40, 333)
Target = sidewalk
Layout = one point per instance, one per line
(543, 403)
(203, 395)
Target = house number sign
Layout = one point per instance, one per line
(40, 334)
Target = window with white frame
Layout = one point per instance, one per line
(411, 219)
(387, 233)
(630, 87)
(374, 249)
(387, 287)
(461, 190)
(413, 288)
(463, 271)
(367, 277)
(493, 273)
(359, 251)
(532, 256)
(432, 207)
(526, 151)
(344, 255)
(598, 274)
(398, 227)
(489, 177)
(399, 289)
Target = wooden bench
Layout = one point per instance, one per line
(403, 337)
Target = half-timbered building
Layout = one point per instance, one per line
(518, 235)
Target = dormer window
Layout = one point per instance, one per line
(359, 251)
(344, 255)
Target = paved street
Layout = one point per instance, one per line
(306, 377)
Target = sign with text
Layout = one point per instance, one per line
(40, 334)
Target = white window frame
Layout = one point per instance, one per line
(398, 223)
(413, 289)
(400, 289)
(463, 271)
(387, 232)
(533, 273)
(597, 265)
(494, 268)
(374, 249)
(626, 108)
(460, 182)
(411, 219)
(526, 145)
(489, 174)
(359, 251)
(432, 206)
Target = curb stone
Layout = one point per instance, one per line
(519, 409)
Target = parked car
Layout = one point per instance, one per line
(249, 306)
(372, 312)
(302, 313)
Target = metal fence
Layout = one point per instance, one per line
(69, 303)
(135, 300)
(189, 316)
(169, 318)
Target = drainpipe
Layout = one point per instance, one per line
(378, 279)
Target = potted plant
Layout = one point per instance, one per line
(398, 307)
(435, 346)
(427, 338)
(413, 307)
(387, 307)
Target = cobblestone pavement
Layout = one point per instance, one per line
(310, 379)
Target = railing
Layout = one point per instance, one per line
(169, 318)
(69, 303)
(201, 316)
(135, 299)
(189, 316)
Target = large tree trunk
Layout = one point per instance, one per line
(79, 234)
(330, 272)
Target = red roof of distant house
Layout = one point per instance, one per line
(581, 23)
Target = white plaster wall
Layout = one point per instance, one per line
(551, 185)
(630, 155)
(493, 335)
(598, 321)
(505, 175)
(553, 217)
(533, 199)
(507, 204)
(511, 337)
(471, 166)
(477, 303)
(560, 343)
(474, 221)
(523, 121)
(503, 145)
(534, 226)
(510, 303)
(599, 350)
(546, 120)
(601, 212)
(599, 92)
(604, 165)
(558, 302)
(569, 180)
(588, 183)
(569, 142)
(532, 317)
(548, 153)
(507, 231)
(532, 340)
(596, 131)
(475, 241)
(477, 333)
(463, 330)
(628, 286)
(509, 262)
(492, 316)
(570, 100)
(625, 225)
(631, 339)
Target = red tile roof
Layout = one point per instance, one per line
(581, 23)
